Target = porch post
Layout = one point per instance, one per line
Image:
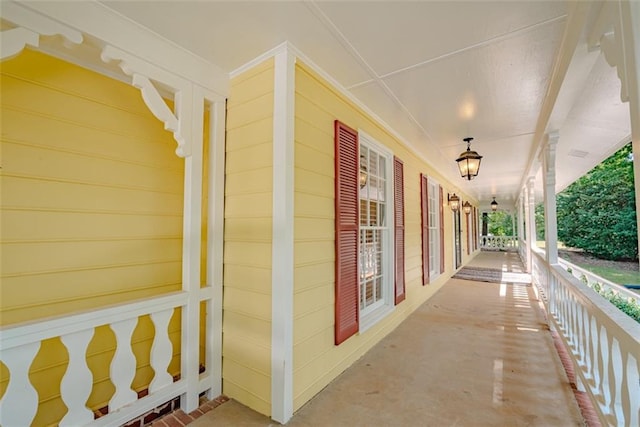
(621, 49)
(631, 35)
(550, 213)
(531, 222)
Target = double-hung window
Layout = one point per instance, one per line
(434, 228)
(375, 229)
(369, 196)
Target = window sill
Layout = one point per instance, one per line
(374, 317)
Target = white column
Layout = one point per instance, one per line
(631, 35)
(215, 241)
(192, 107)
(531, 222)
(282, 242)
(549, 181)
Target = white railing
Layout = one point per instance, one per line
(603, 342)
(591, 279)
(498, 243)
(21, 343)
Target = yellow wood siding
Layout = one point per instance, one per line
(92, 196)
(317, 360)
(248, 233)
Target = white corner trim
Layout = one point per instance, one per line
(282, 241)
(282, 47)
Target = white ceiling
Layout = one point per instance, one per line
(436, 72)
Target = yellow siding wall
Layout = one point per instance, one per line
(316, 359)
(92, 195)
(248, 231)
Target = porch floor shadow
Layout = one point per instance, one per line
(475, 354)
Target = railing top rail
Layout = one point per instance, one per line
(619, 288)
(620, 324)
(45, 328)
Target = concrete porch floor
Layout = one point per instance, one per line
(475, 354)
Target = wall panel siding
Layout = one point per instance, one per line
(248, 235)
(92, 195)
(317, 360)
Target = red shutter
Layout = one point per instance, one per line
(424, 201)
(468, 231)
(474, 218)
(346, 240)
(441, 231)
(398, 201)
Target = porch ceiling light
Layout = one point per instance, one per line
(466, 207)
(469, 161)
(454, 202)
(494, 205)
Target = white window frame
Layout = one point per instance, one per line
(433, 207)
(375, 313)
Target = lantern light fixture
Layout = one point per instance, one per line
(454, 202)
(494, 205)
(469, 161)
(466, 207)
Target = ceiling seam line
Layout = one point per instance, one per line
(342, 39)
(487, 42)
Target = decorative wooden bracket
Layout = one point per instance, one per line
(160, 110)
(29, 27)
(611, 33)
(142, 73)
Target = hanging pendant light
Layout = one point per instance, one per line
(469, 161)
(494, 205)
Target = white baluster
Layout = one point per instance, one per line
(615, 382)
(571, 325)
(632, 411)
(588, 348)
(20, 401)
(581, 340)
(161, 350)
(605, 351)
(77, 382)
(123, 365)
(597, 354)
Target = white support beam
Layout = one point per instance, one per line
(577, 18)
(549, 184)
